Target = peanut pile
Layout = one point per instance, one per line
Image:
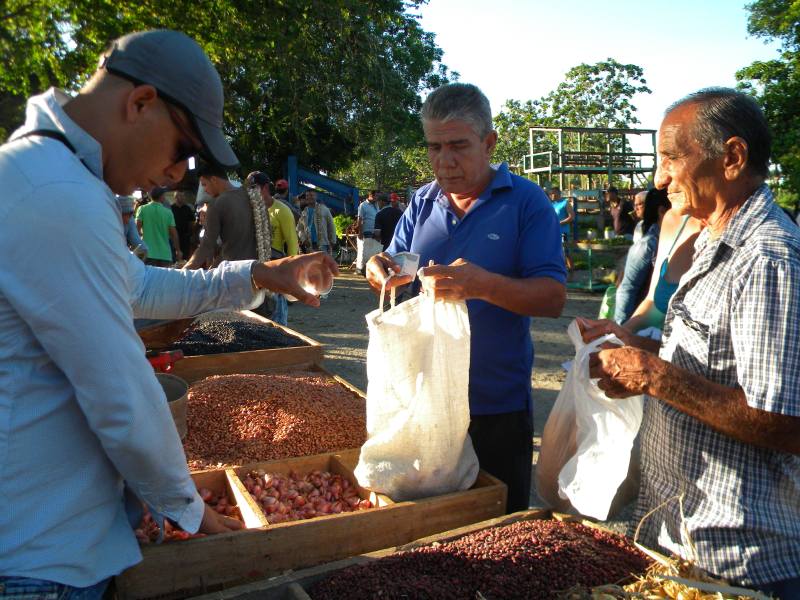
(527, 559)
(240, 419)
(291, 498)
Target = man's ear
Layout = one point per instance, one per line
(139, 101)
(491, 142)
(734, 159)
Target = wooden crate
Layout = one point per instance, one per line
(293, 586)
(198, 565)
(296, 586)
(311, 368)
(193, 368)
(225, 481)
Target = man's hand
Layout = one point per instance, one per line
(460, 280)
(213, 522)
(378, 271)
(592, 329)
(623, 371)
(288, 275)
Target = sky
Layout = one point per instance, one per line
(522, 49)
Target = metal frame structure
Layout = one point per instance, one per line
(340, 197)
(578, 161)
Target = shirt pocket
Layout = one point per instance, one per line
(689, 340)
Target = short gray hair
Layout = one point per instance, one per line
(723, 113)
(462, 102)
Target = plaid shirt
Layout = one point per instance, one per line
(735, 320)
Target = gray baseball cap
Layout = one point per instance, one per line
(177, 67)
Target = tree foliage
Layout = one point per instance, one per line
(597, 95)
(776, 85)
(319, 79)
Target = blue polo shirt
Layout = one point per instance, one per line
(511, 230)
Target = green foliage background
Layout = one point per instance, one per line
(591, 95)
(776, 85)
(321, 79)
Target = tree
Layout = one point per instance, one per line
(776, 86)
(598, 95)
(511, 125)
(317, 79)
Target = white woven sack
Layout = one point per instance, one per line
(417, 401)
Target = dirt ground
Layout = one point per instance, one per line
(339, 323)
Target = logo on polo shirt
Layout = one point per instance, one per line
(493, 236)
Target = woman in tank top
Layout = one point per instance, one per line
(673, 259)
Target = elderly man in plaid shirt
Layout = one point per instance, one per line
(721, 431)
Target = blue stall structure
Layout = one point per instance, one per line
(340, 197)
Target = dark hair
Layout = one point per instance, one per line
(612, 190)
(157, 192)
(209, 169)
(723, 113)
(654, 200)
(259, 179)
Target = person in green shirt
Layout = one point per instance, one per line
(156, 224)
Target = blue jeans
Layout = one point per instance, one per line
(281, 312)
(24, 588)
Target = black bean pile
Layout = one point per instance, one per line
(527, 559)
(229, 332)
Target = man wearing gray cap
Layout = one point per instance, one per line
(77, 434)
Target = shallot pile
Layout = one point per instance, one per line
(291, 498)
(240, 419)
(527, 559)
(148, 530)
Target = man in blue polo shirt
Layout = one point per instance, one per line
(496, 243)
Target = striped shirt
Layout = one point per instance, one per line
(734, 320)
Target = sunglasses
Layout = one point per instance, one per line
(187, 147)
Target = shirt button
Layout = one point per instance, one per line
(454, 221)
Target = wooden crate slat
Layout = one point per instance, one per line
(194, 566)
(194, 368)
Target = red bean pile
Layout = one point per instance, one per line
(148, 530)
(291, 498)
(527, 559)
(240, 419)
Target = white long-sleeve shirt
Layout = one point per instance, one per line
(80, 408)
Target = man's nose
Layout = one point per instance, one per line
(176, 171)
(662, 179)
(447, 157)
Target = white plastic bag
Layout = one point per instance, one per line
(417, 401)
(589, 434)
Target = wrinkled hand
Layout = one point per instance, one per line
(287, 275)
(460, 280)
(213, 522)
(623, 371)
(378, 271)
(592, 329)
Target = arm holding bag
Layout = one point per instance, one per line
(418, 401)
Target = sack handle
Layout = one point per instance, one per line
(392, 292)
